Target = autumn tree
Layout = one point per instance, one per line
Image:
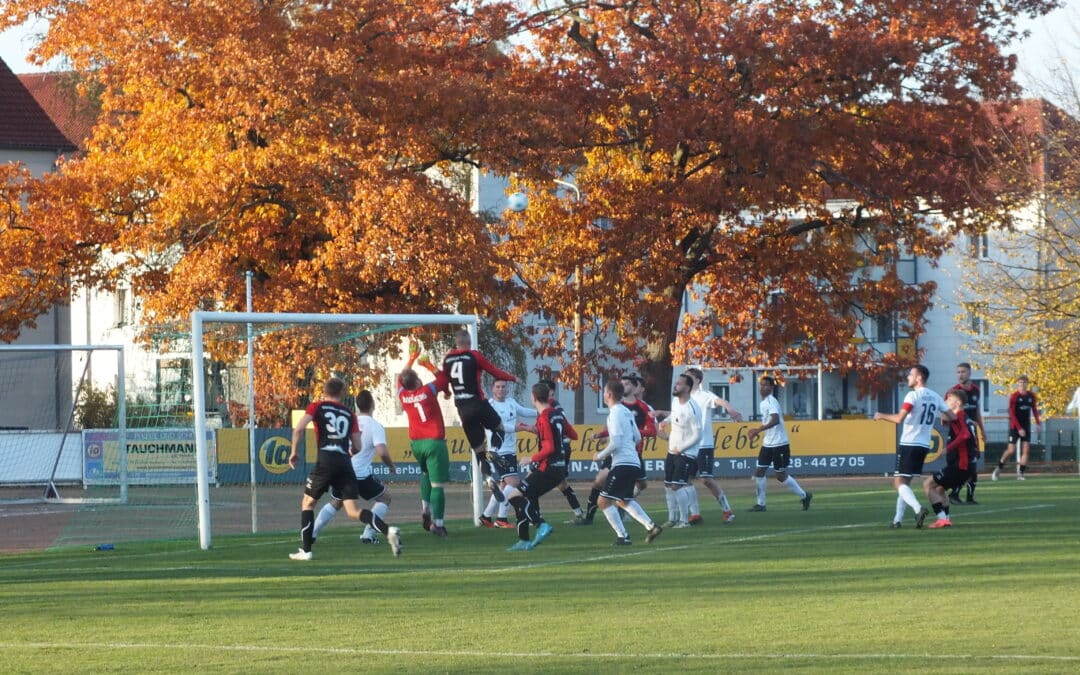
(734, 152)
(1024, 294)
(314, 144)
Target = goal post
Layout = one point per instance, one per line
(201, 320)
(43, 444)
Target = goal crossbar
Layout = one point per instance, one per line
(200, 318)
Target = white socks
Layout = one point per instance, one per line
(491, 507)
(638, 514)
(724, 504)
(682, 496)
(326, 514)
(908, 495)
(695, 508)
(672, 504)
(793, 485)
(612, 515)
(759, 481)
(379, 509)
(900, 508)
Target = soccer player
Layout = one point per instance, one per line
(775, 446)
(370, 488)
(464, 367)
(645, 420)
(548, 469)
(707, 401)
(682, 429)
(335, 428)
(1022, 407)
(917, 416)
(618, 491)
(503, 458)
(564, 487)
(973, 413)
(427, 436)
(962, 441)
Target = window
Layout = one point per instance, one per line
(984, 394)
(120, 309)
(975, 323)
(979, 245)
(724, 392)
(883, 328)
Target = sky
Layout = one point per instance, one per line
(1054, 41)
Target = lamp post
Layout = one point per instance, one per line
(579, 339)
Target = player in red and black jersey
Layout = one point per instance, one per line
(464, 368)
(548, 469)
(336, 427)
(1022, 407)
(565, 488)
(973, 412)
(958, 458)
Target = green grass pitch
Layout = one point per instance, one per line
(827, 590)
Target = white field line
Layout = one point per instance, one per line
(644, 550)
(426, 653)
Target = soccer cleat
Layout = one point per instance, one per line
(939, 523)
(1021, 477)
(542, 533)
(522, 545)
(954, 499)
(696, 520)
(971, 500)
(425, 521)
(576, 520)
(995, 474)
(757, 508)
(680, 525)
(487, 522)
(806, 501)
(393, 536)
(369, 540)
(920, 517)
(493, 485)
(438, 530)
(729, 516)
(503, 524)
(622, 541)
(583, 521)
(300, 555)
(669, 523)
(895, 525)
(654, 532)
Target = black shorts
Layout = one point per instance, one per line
(333, 471)
(909, 460)
(538, 483)
(1014, 435)
(952, 477)
(503, 465)
(620, 483)
(367, 488)
(679, 469)
(705, 461)
(606, 464)
(776, 456)
(477, 415)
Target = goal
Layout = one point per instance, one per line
(269, 365)
(63, 431)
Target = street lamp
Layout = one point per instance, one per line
(579, 339)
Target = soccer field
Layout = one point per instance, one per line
(831, 589)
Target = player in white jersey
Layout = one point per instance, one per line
(618, 490)
(775, 446)
(917, 417)
(682, 429)
(372, 442)
(707, 402)
(503, 458)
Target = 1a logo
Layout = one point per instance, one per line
(274, 454)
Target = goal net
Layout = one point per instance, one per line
(267, 367)
(62, 425)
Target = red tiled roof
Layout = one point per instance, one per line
(56, 94)
(23, 124)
